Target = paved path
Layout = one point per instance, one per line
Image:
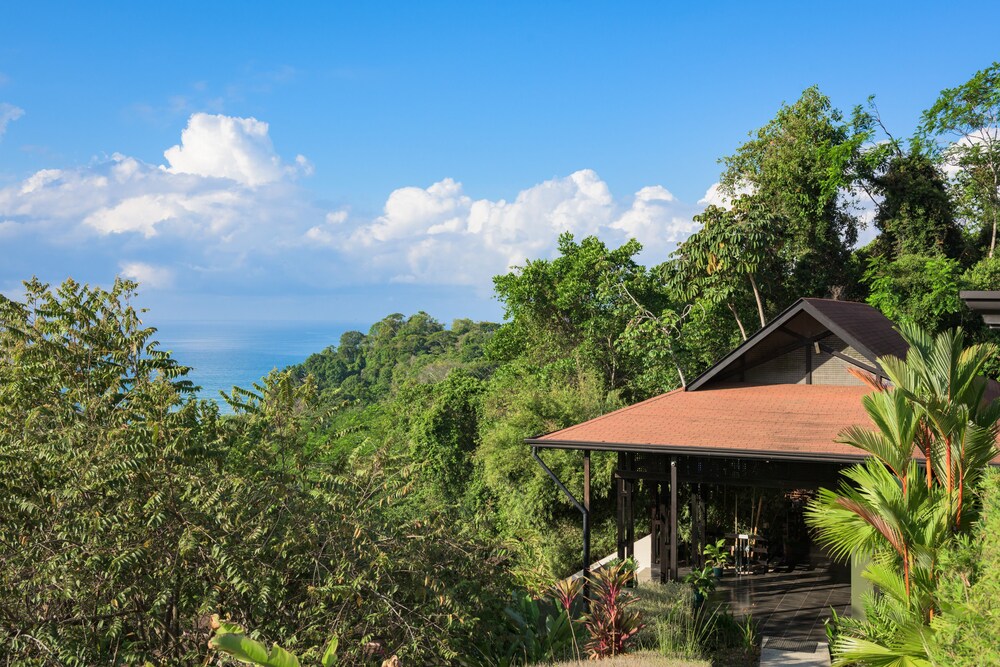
(774, 653)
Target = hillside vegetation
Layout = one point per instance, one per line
(381, 492)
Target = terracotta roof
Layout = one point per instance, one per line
(778, 421)
(797, 421)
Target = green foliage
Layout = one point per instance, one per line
(702, 582)
(680, 630)
(969, 588)
(92, 432)
(232, 640)
(916, 215)
(446, 434)
(899, 515)
(734, 250)
(571, 310)
(537, 631)
(918, 289)
(526, 505)
(984, 275)
(457, 404)
(131, 514)
(798, 166)
(963, 126)
(716, 554)
(397, 350)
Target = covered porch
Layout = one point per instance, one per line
(776, 574)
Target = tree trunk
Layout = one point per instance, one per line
(760, 306)
(739, 322)
(673, 358)
(993, 236)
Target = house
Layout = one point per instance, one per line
(767, 415)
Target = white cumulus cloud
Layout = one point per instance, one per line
(228, 147)
(714, 196)
(440, 234)
(149, 275)
(656, 219)
(228, 229)
(227, 211)
(8, 114)
(223, 183)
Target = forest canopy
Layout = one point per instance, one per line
(381, 491)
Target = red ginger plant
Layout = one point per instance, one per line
(611, 624)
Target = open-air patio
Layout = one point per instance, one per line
(790, 604)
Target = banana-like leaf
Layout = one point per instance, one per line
(279, 657)
(330, 655)
(240, 647)
(252, 652)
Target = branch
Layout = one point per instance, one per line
(892, 139)
(647, 315)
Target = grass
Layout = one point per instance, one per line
(675, 631)
(670, 628)
(639, 659)
(677, 636)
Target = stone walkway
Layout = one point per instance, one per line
(782, 653)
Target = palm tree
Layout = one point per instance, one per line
(943, 380)
(931, 407)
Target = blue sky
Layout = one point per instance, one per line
(343, 161)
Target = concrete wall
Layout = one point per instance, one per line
(859, 586)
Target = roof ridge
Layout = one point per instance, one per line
(843, 301)
(824, 298)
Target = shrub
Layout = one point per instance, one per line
(611, 623)
(970, 589)
(537, 630)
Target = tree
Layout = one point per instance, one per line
(131, 513)
(969, 589)
(445, 434)
(571, 309)
(800, 165)
(919, 289)
(899, 515)
(728, 255)
(964, 126)
(915, 214)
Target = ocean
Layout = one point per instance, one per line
(223, 354)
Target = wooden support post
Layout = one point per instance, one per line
(586, 524)
(697, 529)
(663, 531)
(673, 518)
(809, 364)
(630, 509)
(620, 507)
